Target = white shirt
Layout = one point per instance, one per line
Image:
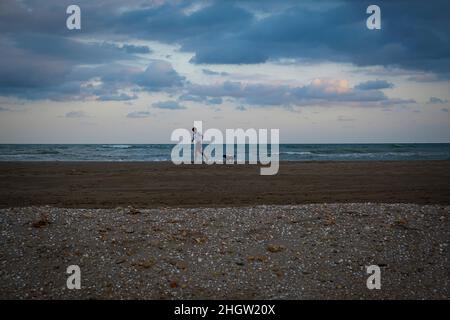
(198, 137)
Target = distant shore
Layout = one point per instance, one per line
(151, 184)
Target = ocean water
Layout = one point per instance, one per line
(161, 152)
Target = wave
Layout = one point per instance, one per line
(351, 154)
(117, 146)
(162, 152)
(30, 153)
(46, 152)
(296, 152)
(365, 154)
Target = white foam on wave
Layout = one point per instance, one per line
(118, 146)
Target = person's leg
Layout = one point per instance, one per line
(198, 151)
(205, 156)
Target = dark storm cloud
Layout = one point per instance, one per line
(37, 66)
(170, 23)
(41, 59)
(413, 36)
(70, 50)
(56, 68)
(413, 33)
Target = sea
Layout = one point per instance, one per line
(162, 152)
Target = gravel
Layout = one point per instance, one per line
(314, 251)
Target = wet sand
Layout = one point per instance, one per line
(151, 185)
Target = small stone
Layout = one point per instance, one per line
(275, 248)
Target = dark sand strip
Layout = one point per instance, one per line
(113, 184)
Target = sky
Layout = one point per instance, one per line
(137, 70)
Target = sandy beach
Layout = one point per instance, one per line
(150, 185)
(158, 231)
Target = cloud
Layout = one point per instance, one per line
(157, 76)
(235, 32)
(42, 60)
(318, 92)
(374, 85)
(138, 114)
(25, 77)
(214, 73)
(426, 77)
(397, 101)
(130, 48)
(214, 101)
(117, 97)
(76, 114)
(168, 105)
(309, 31)
(69, 49)
(201, 99)
(53, 69)
(434, 100)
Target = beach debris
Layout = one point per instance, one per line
(132, 210)
(240, 262)
(278, 272)
(144, 263)
(275, 248)
(329, 221)
(200, 240)
(402, 224)
(257, 258)
(180, 265)
(42, 222)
